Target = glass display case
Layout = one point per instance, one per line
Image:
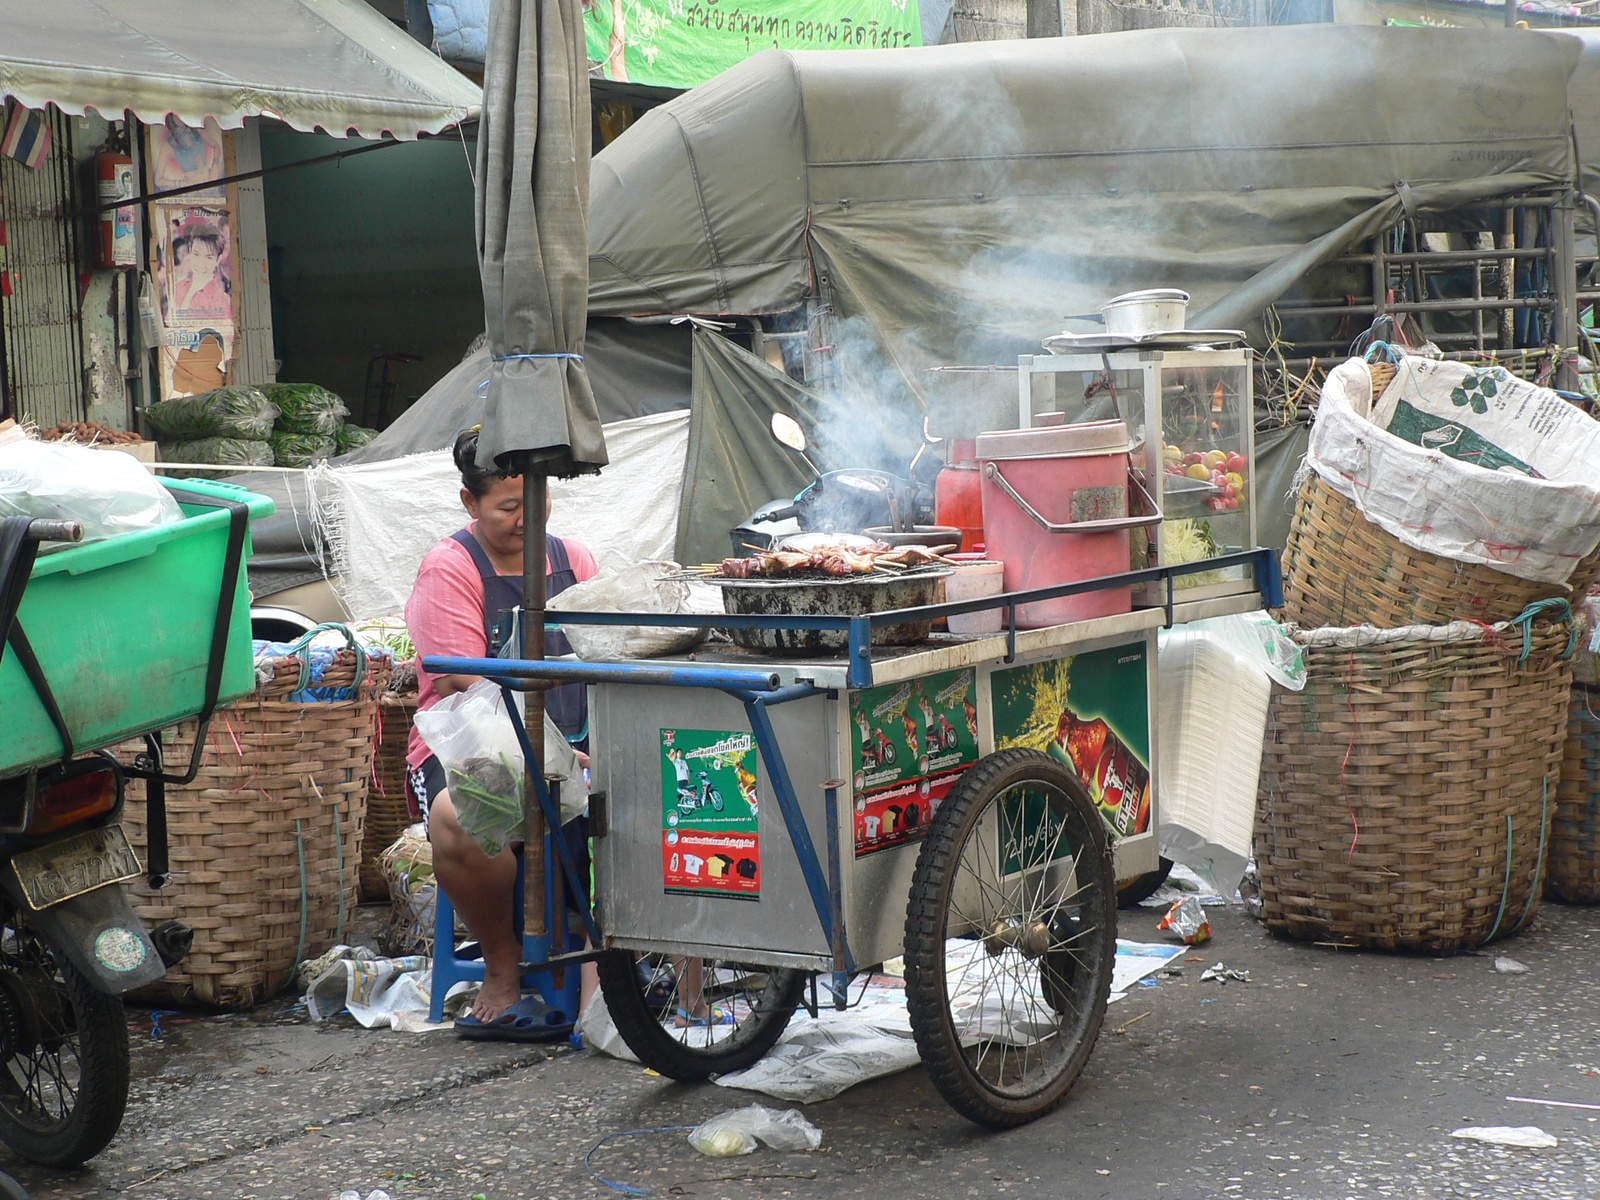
(1190, 417)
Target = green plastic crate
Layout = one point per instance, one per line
(122, 630)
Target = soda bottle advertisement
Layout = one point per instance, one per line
(710, 807)
(911, 742)
(1091, 711)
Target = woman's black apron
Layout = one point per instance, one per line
(568, 705)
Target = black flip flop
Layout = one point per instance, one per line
(528, 1020)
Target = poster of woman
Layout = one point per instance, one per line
(182, 157)
(197, 266)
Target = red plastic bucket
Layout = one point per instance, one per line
(1055, 510)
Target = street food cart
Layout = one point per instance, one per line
(769, 826)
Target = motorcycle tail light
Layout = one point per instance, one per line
(72, 800)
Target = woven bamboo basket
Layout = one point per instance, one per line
(388, 813)
(266, 842)
(1575, 830)
(1406, 793)
(1341, 569)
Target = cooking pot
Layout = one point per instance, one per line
(1154, 310)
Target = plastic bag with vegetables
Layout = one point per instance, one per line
(735, 1132)
(472, 735)
(300, 449)
(353, 437)
(307, 408)
(230, 412)
(222, 451)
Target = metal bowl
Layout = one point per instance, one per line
(852, 596)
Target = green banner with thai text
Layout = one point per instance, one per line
(681, 43)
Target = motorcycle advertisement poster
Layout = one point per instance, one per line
(1091, 712)
(912, 741)
(710, 806)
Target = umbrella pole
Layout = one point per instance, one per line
(535, 495)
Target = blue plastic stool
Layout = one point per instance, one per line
(450, 969)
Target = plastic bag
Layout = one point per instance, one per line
(637, 587)
(1260, 641)
(476, 744)
(108, 493)
(307, 408)
(353, 437)
(221, 451)
(234, 412)
(735, 1132)
(1187, 918)
(301, 449)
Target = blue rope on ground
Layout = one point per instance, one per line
(627, 1188)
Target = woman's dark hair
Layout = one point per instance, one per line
(474, 478)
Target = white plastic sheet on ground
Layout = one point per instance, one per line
(379, 519)
(817, 1058)
(1534, 529)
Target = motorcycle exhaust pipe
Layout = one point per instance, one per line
(173, 941)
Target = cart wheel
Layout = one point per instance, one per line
(750, 1006)
(1010, 938)
(1144, 886)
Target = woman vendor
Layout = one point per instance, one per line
(465, 588)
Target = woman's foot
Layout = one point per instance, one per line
(502, 986)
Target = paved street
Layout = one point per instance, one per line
(1331, 1074)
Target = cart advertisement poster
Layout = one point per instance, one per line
(710, 831)
(912, 741)
(1090, 711)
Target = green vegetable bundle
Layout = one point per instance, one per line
(307, 408)
(353, 437)
(300, 449)
(487, 794)
(222, 451)
(225, 412)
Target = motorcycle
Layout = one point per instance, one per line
(843, 501)
(71, 944)
(690, 800)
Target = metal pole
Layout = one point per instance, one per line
(535, 495)
(1511, 14)
(1564, 233)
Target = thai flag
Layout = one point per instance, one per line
(27, 137)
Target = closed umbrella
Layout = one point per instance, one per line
(533, 253)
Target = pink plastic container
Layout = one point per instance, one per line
(1055, 510)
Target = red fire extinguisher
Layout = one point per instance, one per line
(118, 243)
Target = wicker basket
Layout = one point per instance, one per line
(1575, 830)
(1406, 793)
(388, 813)
(1341, 569)
(266, 842)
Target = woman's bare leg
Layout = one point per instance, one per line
(481, 889)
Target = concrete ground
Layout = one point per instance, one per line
(1331, 1074)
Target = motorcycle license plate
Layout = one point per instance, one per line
(79, 864)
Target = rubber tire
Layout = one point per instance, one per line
(926, 997)
(1145, 886)
(716, 800)
(102, 1085)
(640, 1025)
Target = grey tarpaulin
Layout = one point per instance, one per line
(734, 464)
(532, 205)
(951, 204)
(1279, 453)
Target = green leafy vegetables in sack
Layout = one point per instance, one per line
(353, 437)
(222, 451)
(225, 412)
(300, 449)
(307, 408)
(488, 797)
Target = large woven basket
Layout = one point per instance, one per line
(1405, 794)
(1341, 569)
(1575, 830)
(266, 842)
(388, 813)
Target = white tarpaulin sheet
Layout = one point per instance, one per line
(379, 519)
(1529, 527)
(334, 65)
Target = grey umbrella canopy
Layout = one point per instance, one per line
(532, 227)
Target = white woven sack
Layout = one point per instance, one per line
(1534, 529)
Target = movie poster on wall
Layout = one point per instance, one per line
(194, 258)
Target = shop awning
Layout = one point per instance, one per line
(335, 65)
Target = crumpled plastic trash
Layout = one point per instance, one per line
(375, 1194)
(1509, 966)
(1187, 919)
(1222, 973)
(1530, 1137)
(735, 1131)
